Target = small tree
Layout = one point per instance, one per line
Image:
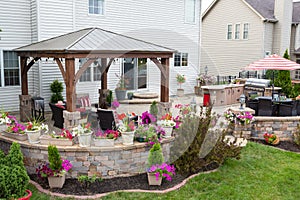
(56, 89)
(54, 158)
(153, 108)
(155, 155)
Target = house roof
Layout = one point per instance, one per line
(265, 9)
(93, 39)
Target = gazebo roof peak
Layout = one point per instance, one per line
(93, 39)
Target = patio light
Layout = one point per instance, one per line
(242, 101)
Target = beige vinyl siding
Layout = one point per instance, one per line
(268, 37)
(228, 57)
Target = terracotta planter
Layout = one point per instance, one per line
(85, 139)
(48, 140)
(16, 136)
(104, 142)
(152, 179)
(56, 181)
(127, 138)
(29, 194)
(168, 131)
(33, 136)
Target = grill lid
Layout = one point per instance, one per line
(255, 82)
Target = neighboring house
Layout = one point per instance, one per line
(236, 33)
(174, 24)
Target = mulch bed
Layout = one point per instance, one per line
(73, 187)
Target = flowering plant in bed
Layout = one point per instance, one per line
(229, 116)
(244, 118)
(271, 138)
(163, 170)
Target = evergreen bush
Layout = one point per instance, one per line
(56, 89)
(154, 109)
(155, 155)
(54, 158)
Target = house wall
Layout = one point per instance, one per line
(15, 23)
(228, 57)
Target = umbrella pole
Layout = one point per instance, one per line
(273, 84)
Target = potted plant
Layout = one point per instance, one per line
(105, 138)
(84, 133)
(244, 118)
(126, 127)
(147, 118)
(13, 176)
(130, 95)
(15, 129)
(271, 138)
(109, 98)
(64, 138)
(146, 134)
(56, 89)
(33, 130)
(55, 170)
(180, 79)
(157, 169)
(115, 104)
(120, 90)
(154, 109)
(167, 123)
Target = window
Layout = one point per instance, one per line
(237, 32)
(11, 68)
(246, 31)
(229, 31)
(190, 11)
(180, 59)
(96, 7)
(92, 73)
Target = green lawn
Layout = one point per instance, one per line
(262, 173)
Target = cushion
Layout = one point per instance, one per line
(85, 101)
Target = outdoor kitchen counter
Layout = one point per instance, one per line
(224, 94)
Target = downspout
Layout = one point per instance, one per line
(199, 38)
(40, 71)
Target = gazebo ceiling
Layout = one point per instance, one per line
(94, 42)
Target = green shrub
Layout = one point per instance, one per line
(54, 158)
(86, 181)
(13, 176)
(155, 155)
(56, 89)
(153, 108)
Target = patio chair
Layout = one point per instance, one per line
(57, 115)
(266, 107)
(298, 107)
(253, 104)
(106, 119)
(288, 109)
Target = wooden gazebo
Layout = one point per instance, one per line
(92, 43)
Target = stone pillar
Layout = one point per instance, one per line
(25, 107)
(163, 108)
(71, 119)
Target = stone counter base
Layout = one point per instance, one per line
(102, 161)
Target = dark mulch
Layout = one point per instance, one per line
(73, 187)
(286, 145)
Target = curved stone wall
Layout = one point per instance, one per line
(102, 161)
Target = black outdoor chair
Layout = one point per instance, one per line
(253, 104)
(106, 119)
(266, 107)
(57, 115)
(288, 109)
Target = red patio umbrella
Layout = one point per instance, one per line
(273, 62)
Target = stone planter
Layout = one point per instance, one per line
(33, 136)
(48, 140)
(3, 127)
(85, 139)
(16, 136)
(128, 137)
(120, 94)
(180, 92)
(152, 179)
(104, 142)
(168, 130)
(56, 181)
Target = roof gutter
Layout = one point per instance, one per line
(270, 20)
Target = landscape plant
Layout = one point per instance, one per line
(86, 181)
(56, 89)
(154, 109)
(155, 156)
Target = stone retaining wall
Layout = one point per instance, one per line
(284, 127)
(102, 161)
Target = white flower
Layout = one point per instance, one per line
(45, 127)
(2, 121)
(169, 123)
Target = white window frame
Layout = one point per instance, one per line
(237, 31)
(93, 13)
(181, 58)
(91, 68)
(245, 31)
(2, 83)
(187, 18)
(227, 32)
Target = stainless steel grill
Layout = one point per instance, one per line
(258, 85)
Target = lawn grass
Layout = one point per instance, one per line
(262, 173)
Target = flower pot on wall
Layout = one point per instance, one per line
(180, 92)
(104, 142)
(16, 136)
(33, 136)
(120, 94)
(168, 131)
(56, 181)
(48, 140)
(127, 138)
(152, 179)
(3, 127)
(85, 139)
